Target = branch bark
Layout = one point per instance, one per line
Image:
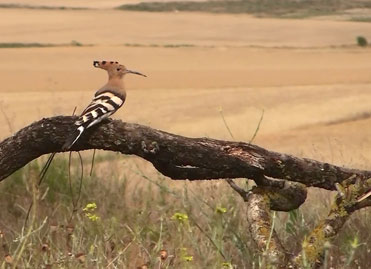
(175, 156)
(262, 230)
(345, 203)
(314, 245)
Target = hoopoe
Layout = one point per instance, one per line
(107, 100)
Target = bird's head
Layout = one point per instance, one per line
(115, 69)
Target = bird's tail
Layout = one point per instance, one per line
(73, 138)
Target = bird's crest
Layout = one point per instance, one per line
(115, 68)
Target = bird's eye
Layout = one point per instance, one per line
(118, 69)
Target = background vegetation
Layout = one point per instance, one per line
(275, 8)
(118, 222)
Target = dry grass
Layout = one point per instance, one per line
(139, 213)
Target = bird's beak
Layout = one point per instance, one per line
(135, 72)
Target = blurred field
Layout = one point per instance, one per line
(93, 4)
(115, 27)
(300, 90)
(308, 76)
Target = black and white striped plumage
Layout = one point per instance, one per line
(101, 107)
(106, 101)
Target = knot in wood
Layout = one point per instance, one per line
(150, 147)
(329, 230)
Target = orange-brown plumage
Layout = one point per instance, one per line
(107, 100)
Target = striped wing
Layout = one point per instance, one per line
(102, 106)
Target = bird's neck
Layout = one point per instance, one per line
(115, 83)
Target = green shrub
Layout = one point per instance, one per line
(362, 41)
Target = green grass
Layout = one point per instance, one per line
(24, 45)
(40, 7)
(361, 19)
(276, 8)
(6, 45)
(158, 45)
(138, 214)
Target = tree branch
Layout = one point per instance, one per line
(262, 229)
(346, 203)
(175, 156)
